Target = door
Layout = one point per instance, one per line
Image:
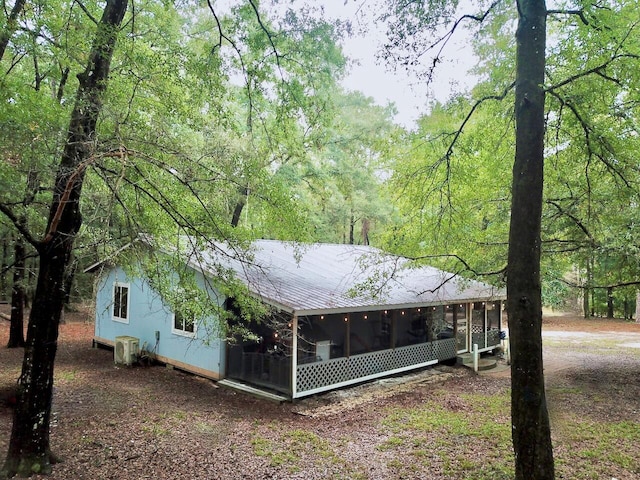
(461, 327)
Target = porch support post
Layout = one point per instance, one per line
(294, 355)
(475, 357)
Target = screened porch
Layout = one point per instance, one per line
(314, 353)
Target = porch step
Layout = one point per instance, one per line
(484, 363)
(253, 391)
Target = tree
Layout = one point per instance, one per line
(529, 416)
(588, 108)
(530, 422)
(29, 450)
(154, 162)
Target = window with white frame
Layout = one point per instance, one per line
(183, 325)
(121, 302)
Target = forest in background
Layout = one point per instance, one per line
(229, 127)
(175, 119)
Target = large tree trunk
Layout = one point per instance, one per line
(530, 420)
(29, 450)
(16, 330)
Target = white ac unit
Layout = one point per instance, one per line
(126, 350)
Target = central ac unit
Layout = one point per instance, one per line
(126, 350)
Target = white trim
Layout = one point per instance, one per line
(362, 379)
(294, 356)
(183, 333)
(113, 301)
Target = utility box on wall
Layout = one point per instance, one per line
(126, 350)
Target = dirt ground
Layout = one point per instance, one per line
(153, 422)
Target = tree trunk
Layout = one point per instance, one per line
(29, 450)
(5, 267)
(352, 228)
(638, 306)
(530, 419)
(366, 226)
(610, 312)
(16, 330)
(11, 25)
(240, 204)
(587, 302)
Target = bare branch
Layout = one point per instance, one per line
(19, 225)
(443, 40)
(578, 13)
(499, 97)
(574, 219)
(464, 263)
(586, 128)
(595, 70)
(221, 37)
(71, 184)
(266, 31)
(86, 11)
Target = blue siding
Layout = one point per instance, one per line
(148, 314)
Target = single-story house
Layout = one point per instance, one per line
(342, 314)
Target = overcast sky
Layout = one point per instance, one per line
(374, 79)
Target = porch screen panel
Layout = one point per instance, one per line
(478, 331)
(457, 315)
(364, 336)
(493, 323)
(411, 325)
(321, 337)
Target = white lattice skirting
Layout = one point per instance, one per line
(318, 377)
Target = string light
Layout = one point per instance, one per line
(365, 317)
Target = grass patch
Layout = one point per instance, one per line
(66, 375)
(597, 446)
(292, 448)
(466, 436)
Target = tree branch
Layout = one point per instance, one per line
(70, 185)
(579, 13)
(595, 70)
(86, 11)
(19, 226)
(11, 25)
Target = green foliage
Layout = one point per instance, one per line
(452, 204)
(450, 189)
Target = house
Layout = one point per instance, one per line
(341, 314)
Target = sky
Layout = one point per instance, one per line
(410, 95)
(367, 74)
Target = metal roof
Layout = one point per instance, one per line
(310, 279)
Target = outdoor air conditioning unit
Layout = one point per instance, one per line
(126, 350)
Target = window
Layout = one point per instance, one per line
(183, 325)
(121, 302)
